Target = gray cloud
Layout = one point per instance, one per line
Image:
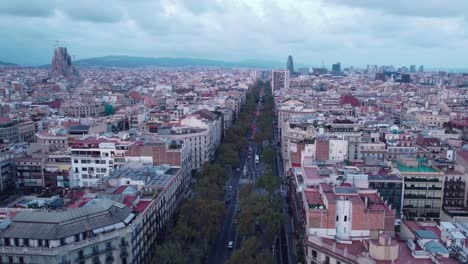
(423, 8)
(25, 8)
(354, 32)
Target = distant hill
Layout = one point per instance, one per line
(2, 63)
(136, 62)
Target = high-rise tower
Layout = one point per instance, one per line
(290, 65)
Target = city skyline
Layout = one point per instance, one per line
(352, 32)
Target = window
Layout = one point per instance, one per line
(314, 254)
(109, 256)
(345, 218)
(337, 218)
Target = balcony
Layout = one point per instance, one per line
(415, 196)
(110, 259)
(42, 251)
(421, 180)
(415, 188)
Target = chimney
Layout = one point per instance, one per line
(366, 201)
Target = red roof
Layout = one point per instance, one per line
(129, 199)
(141, 206)
(311, 173)
(463, 154)
(5, 120)
(313, 196)
(349, 99)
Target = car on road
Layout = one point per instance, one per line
(231, 244)
(230, 187)
(238, 169)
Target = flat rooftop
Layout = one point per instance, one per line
(150, 175)
(419, 168)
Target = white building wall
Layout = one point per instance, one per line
(338, 149)
(344, 212)
(89, 170)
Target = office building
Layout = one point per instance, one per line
(336, 68)
(290, 65)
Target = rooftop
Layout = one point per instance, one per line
(150, 175)
(95, 214)
(419, 168)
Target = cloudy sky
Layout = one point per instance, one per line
(355, 32)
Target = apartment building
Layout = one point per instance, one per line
(56, 169)
(434, 119)
(390, 189)
(342, 214)
(26, 130)
(294, 131)
(8, 131)
(199, 141)
(201, 131)
(7, 176)
(29, 175)
(91, 228)
(400, 145)
(162, 151)
(96, 233)
(279, 80)
(92, 159)
(51, 141)
(423, 189)
(155, 215)
(83, 109)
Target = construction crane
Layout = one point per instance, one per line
(57, 43)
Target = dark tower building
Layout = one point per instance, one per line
(61, 63)
(336, 68)
(290, 65)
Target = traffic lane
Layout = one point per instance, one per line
(231, 233)
(220, 248)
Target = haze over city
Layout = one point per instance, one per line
(233, 132)
(432, 33)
